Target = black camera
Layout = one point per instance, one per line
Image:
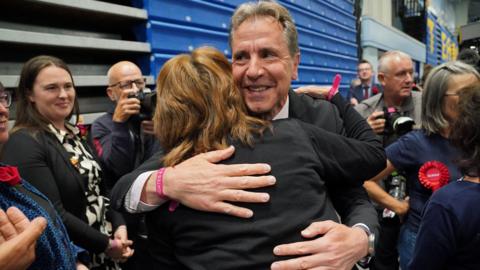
(148, 101)
(396, 125)
(398, 186)
(397, 189)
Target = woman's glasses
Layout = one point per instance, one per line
(6, 99)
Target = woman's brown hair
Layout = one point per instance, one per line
(199, 106)
(27, 116)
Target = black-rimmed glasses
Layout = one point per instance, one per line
(6, 99)
(124, 85)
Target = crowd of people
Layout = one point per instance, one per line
(236, 170)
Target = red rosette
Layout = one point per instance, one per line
(433, 175)
(374, 90)
(83, 130)
(9, 175)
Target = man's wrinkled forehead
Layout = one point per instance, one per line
(249, 28)
(392, 63)
(255, 19)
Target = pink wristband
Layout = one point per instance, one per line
(159, 184)
(159, 190)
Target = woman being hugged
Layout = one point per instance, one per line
(51, 156)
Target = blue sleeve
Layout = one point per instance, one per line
(403, 153)
(436, 238)
(114, 146)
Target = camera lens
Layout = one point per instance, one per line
(402, 124)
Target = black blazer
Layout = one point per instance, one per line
(44, 163)
(349, 198)
(304, 159)
(351, 202)
(357, 92)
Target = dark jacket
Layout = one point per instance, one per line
(119, 146)
(44, 163)
(305, 178)
(305, 160)
(338, 116)
(357, 92)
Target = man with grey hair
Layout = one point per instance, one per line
(265, 58)
(395, 74)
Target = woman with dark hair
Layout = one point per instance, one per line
(449, 235)
(425, 156)
(53, 248)
(51, 156)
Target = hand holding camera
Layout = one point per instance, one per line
(127, 105)
(377, 122)
(396, 123)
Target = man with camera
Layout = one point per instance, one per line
(391, 114)
(123, 139)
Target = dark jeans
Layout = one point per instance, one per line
(406, 245)
(386, 254)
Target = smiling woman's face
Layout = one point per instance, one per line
(53, 94)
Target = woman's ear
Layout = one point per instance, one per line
(30, 96)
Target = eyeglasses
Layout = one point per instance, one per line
(124, 85)
(6, 99)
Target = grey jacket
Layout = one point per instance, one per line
(412, 107)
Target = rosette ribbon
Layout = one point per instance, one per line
(433, 175)
(10, 175)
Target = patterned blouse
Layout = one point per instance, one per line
(82, 159)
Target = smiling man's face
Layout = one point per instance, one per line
(262, 65)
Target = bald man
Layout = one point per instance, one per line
(122, 142)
